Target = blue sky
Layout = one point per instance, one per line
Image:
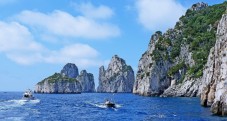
(38, 37)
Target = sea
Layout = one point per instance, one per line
(90, 107)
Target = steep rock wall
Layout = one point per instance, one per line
(118, 77)
(215, 75)
(87, 81)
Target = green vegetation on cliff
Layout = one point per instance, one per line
(58, 77)
(197, 29)
(176, 68)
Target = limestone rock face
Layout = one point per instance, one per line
(173, 64)
(208, 88)
(189, 88)
(214, 89)
(118, 77)
(58, 84)
(70, 70)
(87, 81)
(68, 81)
(151, 78)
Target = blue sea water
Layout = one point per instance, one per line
(89, 107)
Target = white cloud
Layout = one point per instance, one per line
(22, 40)
(81, 54)
(79, 50)
(17, 43)
(90, 11)
(25, 58)
(14, 37)
(60, 23)
(157, 15)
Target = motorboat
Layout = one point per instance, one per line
(28, 95)
(109, 104)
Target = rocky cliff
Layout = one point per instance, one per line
(68, 81)
(198, 6)
(87, 81)
(58, 83)
(70, 70)
(174, 61)
(118, 77)
(214, 91)
(151, 78)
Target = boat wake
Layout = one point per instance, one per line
(102, 105)
(16, 110)
(30, 101)
(98, 105)
(23, 102)
(9, 104)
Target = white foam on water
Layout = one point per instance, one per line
(9, 104)
(14, 106)
(102, 105)
(118, 105)
(158, 116)
(22, 102)
(34, 101)
(17, 102)
(97, 105)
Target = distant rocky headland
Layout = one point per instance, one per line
(68, 81)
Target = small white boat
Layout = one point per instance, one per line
(28, 95)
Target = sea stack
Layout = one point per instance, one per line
(58, 83)
(119, 77)
(68, 81)
(70, 70)
(87, 81)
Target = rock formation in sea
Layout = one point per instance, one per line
(119, 77)
(87, 81)
(68, 81)
(214, 91)
(58, 83)
(70, 70)
(174, 61)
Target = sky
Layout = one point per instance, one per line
(38, 37)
